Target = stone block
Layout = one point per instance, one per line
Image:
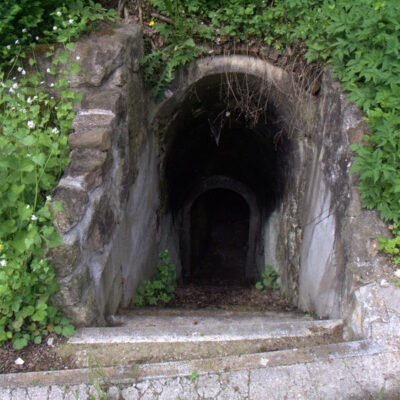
(102, 226)
(86, 160)
(99, 139)
(74, 202)
(72, 287)
(93, 118)
(111, 100)
(85, 313)
(355, 134)
(99, 57)
(64, 258)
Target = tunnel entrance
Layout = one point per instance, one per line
(219, 237)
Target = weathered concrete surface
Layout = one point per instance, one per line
(358, 370)
(375, 313)
(147, 338)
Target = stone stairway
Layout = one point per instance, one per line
(175, 335)
(215, 354)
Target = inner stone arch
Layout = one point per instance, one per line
(221, 223)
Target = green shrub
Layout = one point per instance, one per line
(33, 153)
(25, 23)
(269, 279)
(162, 286)
(34, 129)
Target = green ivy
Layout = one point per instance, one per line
(34, 128)
(26, 23)
(162, 286)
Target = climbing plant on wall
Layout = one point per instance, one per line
(34, 127)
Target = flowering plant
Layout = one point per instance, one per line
(34, 127)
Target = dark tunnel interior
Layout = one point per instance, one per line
(219, 236)
(215, 133)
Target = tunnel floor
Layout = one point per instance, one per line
(204, 295)
(219, 238)
(219, 244)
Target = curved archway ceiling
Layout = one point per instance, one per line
(211, 135)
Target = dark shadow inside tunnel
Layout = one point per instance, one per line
(219, 237)
(210, 136)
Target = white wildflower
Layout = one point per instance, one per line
(34, 217)
(71, 21)
(397, 273)
(11, 90)
(15, 85)
(28, 155)
(19, 361)
(29, 100)
(23, 72)
(48, 198)
(58, 13)
(8, 47)
(48, 70)
(54, 28)
(78, 58)
(36, 37)
(27, 206)
(52, 84)
(23, 30)
(17, 41)
(55, 130)
(35, 97)
(31, 124)
(23, 110)
(19, 69)
(3, 263)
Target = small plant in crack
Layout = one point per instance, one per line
(269, 279)
(162, 287)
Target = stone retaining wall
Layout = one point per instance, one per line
(109, 134)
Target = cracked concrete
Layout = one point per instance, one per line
(358, 378)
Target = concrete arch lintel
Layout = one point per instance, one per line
(222, 182)
(279, 81)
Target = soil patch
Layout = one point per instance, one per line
(36, 357)
(237, 296)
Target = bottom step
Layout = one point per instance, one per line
(323, 358)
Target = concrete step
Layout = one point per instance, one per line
(189, 335)
(343, 366)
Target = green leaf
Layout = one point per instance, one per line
(37, 339)
(20, 343)
(39, 316)
(68, 330)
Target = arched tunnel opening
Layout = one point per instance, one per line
(225, 130)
